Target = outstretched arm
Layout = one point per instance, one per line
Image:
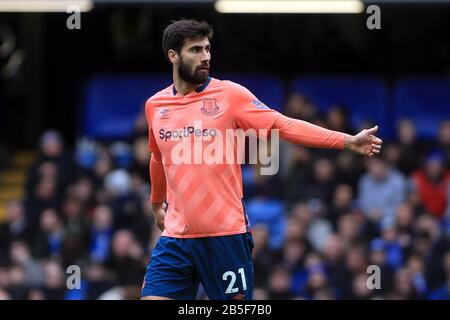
(308, 134)
(248, 112)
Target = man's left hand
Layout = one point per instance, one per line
(365, 142)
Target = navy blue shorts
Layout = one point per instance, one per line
(223, 265)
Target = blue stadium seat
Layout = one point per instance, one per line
(271, 213)
(113, 102)
(267, 88)
(364, 97)
(425, 100)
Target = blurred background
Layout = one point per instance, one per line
(74, 182)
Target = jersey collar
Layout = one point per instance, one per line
(198, 90)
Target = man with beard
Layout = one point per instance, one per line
(206, 235)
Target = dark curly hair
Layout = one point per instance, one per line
(180, 30)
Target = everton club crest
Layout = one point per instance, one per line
(210, 106)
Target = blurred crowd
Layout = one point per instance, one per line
(317, 225)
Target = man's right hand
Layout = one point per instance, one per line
(159, 213)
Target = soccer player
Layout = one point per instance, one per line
(206, 235)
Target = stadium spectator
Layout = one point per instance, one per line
(293, 254)
(349, 168)
(431, 183)
(322, 183)
(320, 228)
(101, 233)
(442, 289)
(403, 288)
(342, 203)
(17, 283)
(380, 190)
(4, 295)
(378, 257)
(44, 195)
(299, 107)
(102, 167)
(55, 284)
(360, 290)
(298, 177)
(404, 219)
(76, 229)
(416, 265)
(263, 256)
(20, 256)
(127, 259)
(279, 283)
(52, 150)
(350, 228)
(392, 245)
(442, 293)
(49, 239)
(392, 154)
(337, 119)
(317, 282)
(412, 149)
(141, 159)
(15, 228)
(99, 280)
(444, 140)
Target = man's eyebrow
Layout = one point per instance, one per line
(199, 46)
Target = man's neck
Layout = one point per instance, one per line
(183, 87)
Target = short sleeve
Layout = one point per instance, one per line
(247, 111)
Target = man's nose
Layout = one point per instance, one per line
(206, 56)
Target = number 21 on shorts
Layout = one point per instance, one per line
(230, 274)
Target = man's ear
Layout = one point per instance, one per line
(173, 56)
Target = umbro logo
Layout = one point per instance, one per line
(164, 113)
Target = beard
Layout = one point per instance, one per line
(195, 77)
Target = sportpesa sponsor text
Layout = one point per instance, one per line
(186, 132)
